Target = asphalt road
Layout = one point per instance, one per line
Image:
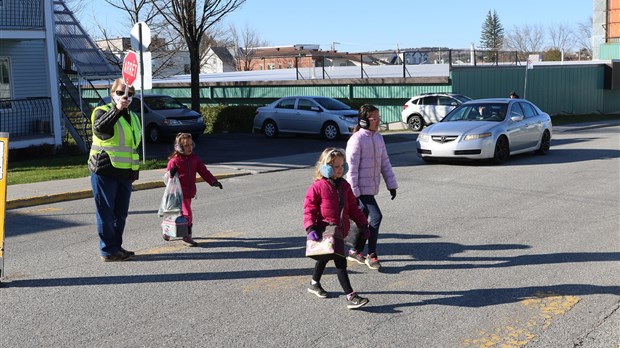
(519, 255)
(221, 148)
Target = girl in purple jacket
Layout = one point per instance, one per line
(322, 206)
(186, 164)
(368, 161)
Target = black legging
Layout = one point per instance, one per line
(341, 271)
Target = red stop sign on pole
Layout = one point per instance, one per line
(130, 68)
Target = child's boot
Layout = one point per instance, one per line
(188, 239)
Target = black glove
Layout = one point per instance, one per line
(217, 184)
(393, 193)
(173, 171)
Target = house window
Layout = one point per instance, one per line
(289, 65)
(271, 66)
(5, 78)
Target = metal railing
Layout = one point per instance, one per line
(22, 14)
(26, 117)
(403, 61)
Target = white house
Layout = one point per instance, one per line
(29, 95)
(45, 56)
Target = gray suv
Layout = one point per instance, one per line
(428, 108)
(165, 116)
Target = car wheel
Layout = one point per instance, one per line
(415, 123)
(330, 131)
(270, 129)
(545, 144)
(153, 134)
(502, 150)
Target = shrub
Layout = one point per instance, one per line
(222, 118)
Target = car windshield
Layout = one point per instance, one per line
(478, 112)
(332, 104)
(461, 98)
(163, 103)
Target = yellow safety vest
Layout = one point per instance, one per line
(122, 146)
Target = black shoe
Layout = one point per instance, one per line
(117, 256)
(127, 252)
(317, 290)
(189, 241)
(356, 302)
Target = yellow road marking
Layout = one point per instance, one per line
(37, 211)
(546, 307)
(276, 283)
(177, 245)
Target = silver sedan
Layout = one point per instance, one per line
(324, 116)
(487, 129)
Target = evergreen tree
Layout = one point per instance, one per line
(492, 36)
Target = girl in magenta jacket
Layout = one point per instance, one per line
(323, 206)
(369, 161)
(186, 164)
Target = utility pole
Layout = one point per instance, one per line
(334, 43)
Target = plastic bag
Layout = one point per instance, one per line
(172, 201)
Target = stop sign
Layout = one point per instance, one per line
(130, 68)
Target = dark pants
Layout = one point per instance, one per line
(341, 272)
(369, 206)
(112, 202)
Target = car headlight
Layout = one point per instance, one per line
(172, 122)
(423, 136)
(477, 136)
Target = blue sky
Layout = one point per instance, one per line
(364, 25)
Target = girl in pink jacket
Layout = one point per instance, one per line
(368, 161)
(186, 164)
(327, 199)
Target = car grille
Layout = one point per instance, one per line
(188, 121)
(443, 138)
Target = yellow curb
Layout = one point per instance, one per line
(82, 194)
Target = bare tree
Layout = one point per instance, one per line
(244, 44)
(136, 8)
(76, 6)
(165, 43)
(583, 36)
(192, 19)
(561, 37)
(525, 39)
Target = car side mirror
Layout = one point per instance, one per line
(517, 118)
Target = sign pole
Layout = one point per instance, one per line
(142, 94)
(4, 156)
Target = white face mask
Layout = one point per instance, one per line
(117, 98)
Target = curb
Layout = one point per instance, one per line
(82, 194)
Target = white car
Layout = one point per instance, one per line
(487, 129)
(429, 108)
(324, 116)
